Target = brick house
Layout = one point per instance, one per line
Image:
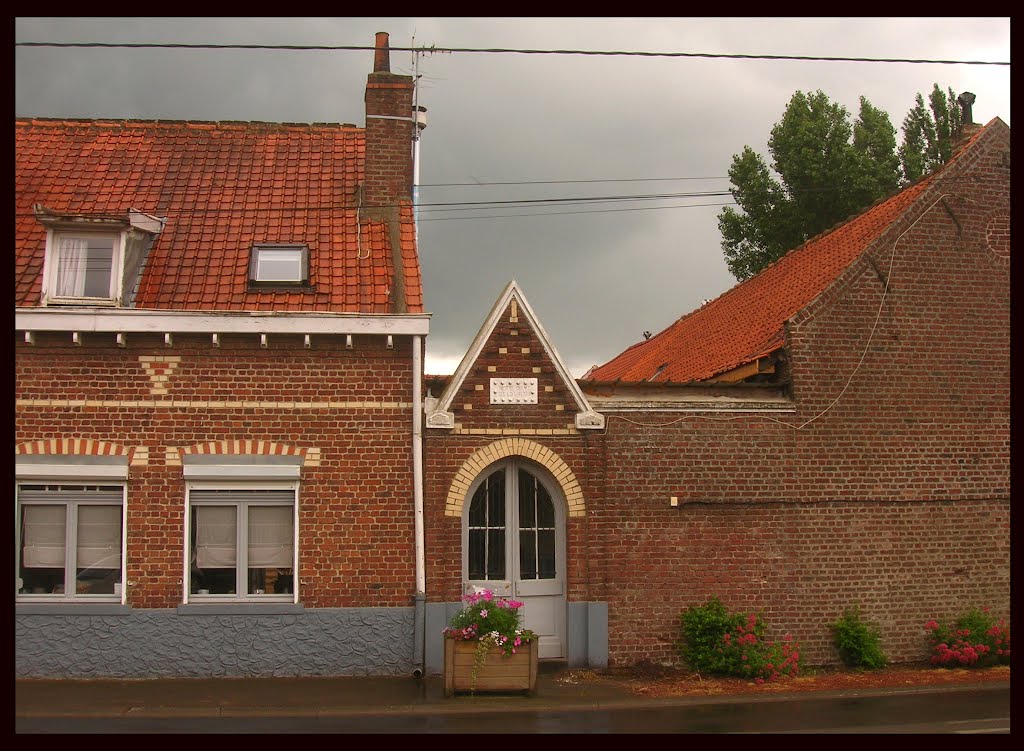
(218, 365)
(833, 431)
(228, 462)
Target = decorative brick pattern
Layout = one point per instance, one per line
(236, 446)
(159, 370)
(86, 446)
(507, 447)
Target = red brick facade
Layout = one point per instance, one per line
(345, 412)
(883, 481)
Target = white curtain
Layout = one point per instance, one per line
(216, 536)
(72, 257)
(43, 537)
(270, 537)
(99, 537)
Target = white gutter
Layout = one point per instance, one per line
(134, 320)
(417, 486)
(417, 459)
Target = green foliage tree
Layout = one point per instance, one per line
(827, 169)
(928, 133)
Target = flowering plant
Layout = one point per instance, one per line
(714, 641)
(491, 622)
(976, 639)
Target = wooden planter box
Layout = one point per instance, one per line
(516, 672)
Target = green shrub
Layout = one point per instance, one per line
(716, 642)
(857, 641)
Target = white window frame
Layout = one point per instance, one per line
(51, 263)
(70, 539)
(240, 596)
(300, 250)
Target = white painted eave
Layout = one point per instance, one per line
(128, 321)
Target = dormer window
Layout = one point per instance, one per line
(84, 265)
(94, 260)
(274, 265)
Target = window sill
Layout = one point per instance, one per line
(102, 302)
(71, 608)
(301, 287)
(241, 608)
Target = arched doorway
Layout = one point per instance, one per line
(513, 543)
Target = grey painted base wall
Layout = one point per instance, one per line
(586, 634)
(190, 642)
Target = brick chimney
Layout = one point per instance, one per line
(967, 127)
(388, 132)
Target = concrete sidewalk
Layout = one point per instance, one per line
(327, 697)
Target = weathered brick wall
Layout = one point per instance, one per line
(888, 487)
(347, 412)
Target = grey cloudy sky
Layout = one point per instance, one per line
(601, 275)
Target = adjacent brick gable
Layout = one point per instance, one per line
(748, 321)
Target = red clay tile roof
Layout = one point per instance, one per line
(223, 187)
(747, 321)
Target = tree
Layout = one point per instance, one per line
(928, 133)
(827, 170)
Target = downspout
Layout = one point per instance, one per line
(419, 619)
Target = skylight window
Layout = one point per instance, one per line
(279, 264)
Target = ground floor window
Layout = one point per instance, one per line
(241, 544)
(70, 541)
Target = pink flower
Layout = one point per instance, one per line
(488, 595)
(931, 626)
(483, 613)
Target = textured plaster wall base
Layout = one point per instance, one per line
(165, 644)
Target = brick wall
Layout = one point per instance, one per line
(887, 486)
(346, 412)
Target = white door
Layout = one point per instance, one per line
(513, 543)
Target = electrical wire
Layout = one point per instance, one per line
(502, 51)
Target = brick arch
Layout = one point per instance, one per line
(506, 447)
(310, 456)
(78, 446)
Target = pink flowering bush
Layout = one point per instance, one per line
(976, 639)
(493, 621)
(717, 642)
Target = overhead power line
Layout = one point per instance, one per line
(504, 51)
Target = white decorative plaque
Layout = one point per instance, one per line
(513, 391)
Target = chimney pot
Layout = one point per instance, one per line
(966, 102)
(381, 54)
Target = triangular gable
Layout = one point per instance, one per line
(439, 410)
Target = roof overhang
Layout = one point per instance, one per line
(134, 321)
(133, 219)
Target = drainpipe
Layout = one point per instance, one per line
(419, 619)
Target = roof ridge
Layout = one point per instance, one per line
(114, 122)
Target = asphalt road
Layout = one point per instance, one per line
(967, 712)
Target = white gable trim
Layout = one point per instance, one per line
(438, 414)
